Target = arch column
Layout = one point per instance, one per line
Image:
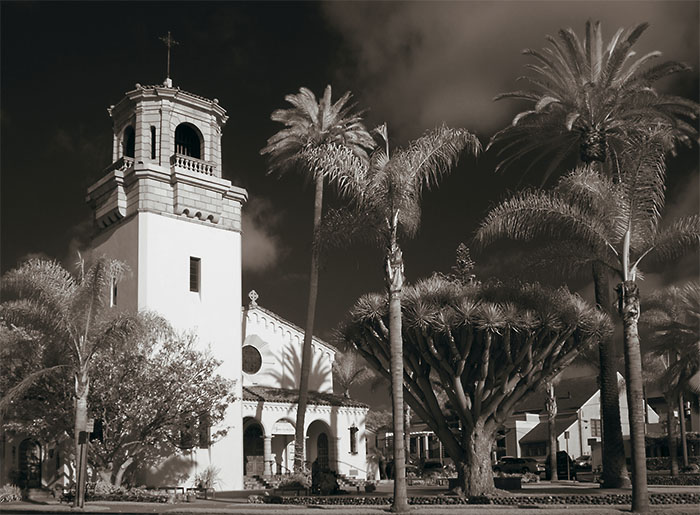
(267, 456)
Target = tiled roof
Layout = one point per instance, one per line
(269, 394)
(540, 433)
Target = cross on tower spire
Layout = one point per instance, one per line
(169, 42)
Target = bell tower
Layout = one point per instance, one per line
(164, 208)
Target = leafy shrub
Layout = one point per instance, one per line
(370, 487)
(296, 480)
(326, 483)
(528, 477)
(664, 462)
(207, 478)
(10, 493)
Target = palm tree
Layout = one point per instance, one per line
(71, 315)
(313, 125)
(550, 405)
(386, 198)
(588, 99)
(614, 225)
(348, 370)
(672, 317)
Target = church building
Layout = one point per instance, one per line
(164, 208)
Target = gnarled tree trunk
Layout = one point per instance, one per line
(475, 473)
(629, 308)
(122, 469)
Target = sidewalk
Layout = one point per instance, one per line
(235, 503)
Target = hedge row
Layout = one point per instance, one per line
(607, 499)
(680, 480)
(664, 462)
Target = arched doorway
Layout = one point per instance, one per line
(187, 141)
(29, 464)
(322, 450)
(320, 445)
(253, 448)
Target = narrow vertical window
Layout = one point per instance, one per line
(129, 142)
(195, 272)
(153, 142)
(596, 427)
(113, 294)
(353, 440)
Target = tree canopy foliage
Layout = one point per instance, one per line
(587, 98)
(487, 346)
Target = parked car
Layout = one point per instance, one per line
(566, 467)
(584, 462)
(511, 465)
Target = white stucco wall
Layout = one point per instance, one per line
(165, 247)
(280, 345)
(120, 242)
(335, 421)
(581, 430)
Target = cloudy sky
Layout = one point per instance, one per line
(412, 65)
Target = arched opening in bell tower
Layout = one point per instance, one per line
(129, 142)
(188, 141)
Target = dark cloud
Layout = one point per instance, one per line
(421, 63)
(261, 245)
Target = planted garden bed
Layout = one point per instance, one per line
(680, 480)
(605, 499)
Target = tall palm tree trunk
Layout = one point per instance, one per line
(407, 431)
(308, 332)
(684, 439)
(551, 407)
(394, 283)
(672, 448)
(614, 462)
(629, 308)
(82, 388)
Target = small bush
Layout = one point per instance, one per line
(370, 487)
(10, 493)
(298, 480)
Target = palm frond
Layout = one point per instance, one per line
(45, 281)
(674, 240)
(311, 130)
(18, 390)
(596, 96)
(434, 154)
(534, 214)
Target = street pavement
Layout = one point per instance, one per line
(237, 503)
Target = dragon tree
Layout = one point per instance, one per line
(475, 351)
